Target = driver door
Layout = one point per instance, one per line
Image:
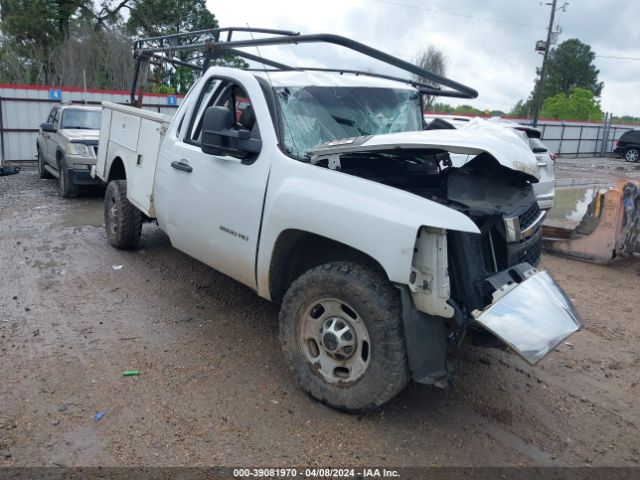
(211, 205)
(48, 144)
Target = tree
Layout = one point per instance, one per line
(433, 60)
(579, 105)
(152, 18)
(521, 109)
(53, 41)
(570, 66)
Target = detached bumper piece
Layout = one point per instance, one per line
(529, 312)
(610, 227)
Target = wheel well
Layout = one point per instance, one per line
(297, 251)
(117, 171)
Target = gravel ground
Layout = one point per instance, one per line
(214, 389)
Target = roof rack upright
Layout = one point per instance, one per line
(209, 43)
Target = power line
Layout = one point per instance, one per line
(617, 58)
(483, 19)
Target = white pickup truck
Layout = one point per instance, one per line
(321, 191)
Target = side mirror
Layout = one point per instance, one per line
(47, 127)
(219, 138)
(539, 150)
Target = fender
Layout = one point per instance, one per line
(373, 218)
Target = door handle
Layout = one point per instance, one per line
(182, 166)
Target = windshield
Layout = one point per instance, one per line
(80, 118)
(315, 115)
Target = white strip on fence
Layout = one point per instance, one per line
(23, 108)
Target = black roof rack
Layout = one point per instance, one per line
(209, 43)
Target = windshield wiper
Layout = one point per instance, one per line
(78, 127)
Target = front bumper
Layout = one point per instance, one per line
(83, 177)
(533, 316)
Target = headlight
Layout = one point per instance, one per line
(78, 149)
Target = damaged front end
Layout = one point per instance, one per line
(484, 286)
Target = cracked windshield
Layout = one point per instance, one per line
(315, 115)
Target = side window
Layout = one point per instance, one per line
(56, 119)
(229, 95)
(205, 100)
(51, 115)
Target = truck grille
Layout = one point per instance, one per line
(531, 254)
(530, 216)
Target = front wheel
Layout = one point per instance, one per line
(632, 155)
(341, 331)
(68, 189)
(122, 220)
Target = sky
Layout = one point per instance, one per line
(489, 44)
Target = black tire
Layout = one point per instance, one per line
(632, 155)
(122, 220)
(377, 303)
(44, 174)
(68, 189)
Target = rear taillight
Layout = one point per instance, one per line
(553, 156)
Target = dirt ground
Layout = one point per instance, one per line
(214, 389)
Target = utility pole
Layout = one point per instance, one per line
(543, 70)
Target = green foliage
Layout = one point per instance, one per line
(151, 18)
(165, 89)
(570, 66)
(579, 105)
(460, 109)
(626, 119)
(523, 109)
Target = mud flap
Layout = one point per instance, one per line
(532, 317)
(426, 341)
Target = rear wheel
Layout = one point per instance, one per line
(341, 330)
(632, 155)
(41, 166)
(122, 220)
(68, 189)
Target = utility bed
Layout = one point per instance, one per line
(133, 135)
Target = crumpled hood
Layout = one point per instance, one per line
(77, 134)
(477, 137)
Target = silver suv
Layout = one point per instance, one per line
(67, 145)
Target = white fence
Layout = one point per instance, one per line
(24, 107)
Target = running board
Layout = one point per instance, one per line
(52, 171)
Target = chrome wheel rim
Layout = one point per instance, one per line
(632, 156)
(112, 214)
(334, 341)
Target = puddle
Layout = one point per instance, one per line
(85, 212)
(571, 204)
